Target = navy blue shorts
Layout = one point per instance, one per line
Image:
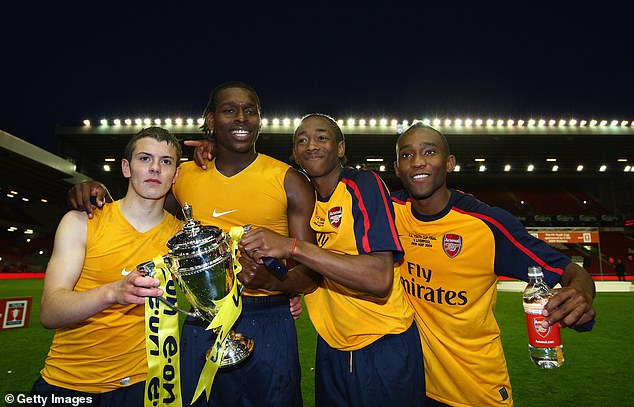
(129, 396)
(271, 376)
(388, 372)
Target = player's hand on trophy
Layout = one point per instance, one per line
(204, 151)
(262, 242)
(135, 287)
(254, 275)
(87, 196)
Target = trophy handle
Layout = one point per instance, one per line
(148, 269)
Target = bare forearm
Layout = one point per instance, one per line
(299, 280)
(63, 307)
(372, 274)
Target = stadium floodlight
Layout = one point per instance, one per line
(507, 168)
(579, 167)
(103, 122)
(128, 122)
(530, 168)
(482, 168)
(86, 122)
(456, 168)
(555, 168)
(603, 168)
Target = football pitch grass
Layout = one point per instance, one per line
(598, 371)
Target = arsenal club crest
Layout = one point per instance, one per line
(452, 244)
(539, 329)
(334, 216)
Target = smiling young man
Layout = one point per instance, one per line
(368, 350)
(455, 248)
(241, 186)
(96, 305)
(238, 187)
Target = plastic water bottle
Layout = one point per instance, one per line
(544, 344)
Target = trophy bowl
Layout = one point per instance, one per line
(200, 259)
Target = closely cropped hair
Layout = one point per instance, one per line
(213, 101)
(333, 126)
(421, 125)
(158, 134)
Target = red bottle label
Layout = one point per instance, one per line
(540, 336)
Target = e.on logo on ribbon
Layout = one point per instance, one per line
(452, 244)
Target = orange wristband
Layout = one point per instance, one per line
(293, 248)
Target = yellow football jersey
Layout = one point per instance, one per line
(107, 351)
(254, 196)
(357, 219)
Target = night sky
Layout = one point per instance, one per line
(62, 62)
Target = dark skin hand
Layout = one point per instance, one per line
(571, 305)
(80, 196)
(204, 151)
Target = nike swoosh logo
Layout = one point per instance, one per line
(124, 272)
(219, 214)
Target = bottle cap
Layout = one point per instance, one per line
(535, 271)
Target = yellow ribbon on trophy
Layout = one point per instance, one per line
(229, 309)
(162, 385)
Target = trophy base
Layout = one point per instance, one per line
(237, 349)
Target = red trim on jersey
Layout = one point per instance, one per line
(366, 218)
(399, 201)
(387, 211)
(510, 237)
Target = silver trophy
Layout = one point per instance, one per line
(200, 259)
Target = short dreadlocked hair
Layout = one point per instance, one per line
(213, 101)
